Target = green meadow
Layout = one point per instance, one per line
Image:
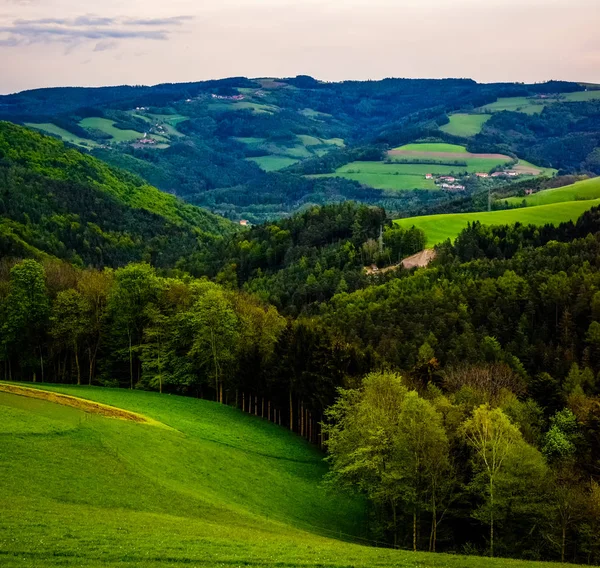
(465, 125)
(534, 106)
(206, 486)
(272, 163)
(108, 127)
(581, 190)
(49, 128)
(438, 228)
(432, 147)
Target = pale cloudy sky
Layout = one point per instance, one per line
(92, 42)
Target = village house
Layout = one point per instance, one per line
(453, 187)
(232, 98)
(447, 178)
(482, 175)
(428, 176)
(244, 222)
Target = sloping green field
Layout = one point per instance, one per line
(465, 124)
(432, 147)
(49, 128)
(581, 190)
(531, 105)
(209, 486)
(438, 228)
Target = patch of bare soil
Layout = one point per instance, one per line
(75, 402)
(420, 260)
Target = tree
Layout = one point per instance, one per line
(216, 334)
(135, 287)
(27, 310)
(95, 287)
(423, 443)
(492, 437)
(70, 322)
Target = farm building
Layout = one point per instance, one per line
(244, 222)
(447, 178)
(482, 175)
(428, 176)
(453, 187)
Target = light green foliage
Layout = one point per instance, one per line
(438, 228)
(579, 191)
(465, 125)
(215, 327)
(563, 435)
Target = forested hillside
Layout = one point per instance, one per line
(56, 201)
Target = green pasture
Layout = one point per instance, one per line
(579, 191)
(49, 128)
(210, 486)
(221, 106)
(432, 147)
(465, 125)
(438, 228)
(272, 163)
(108, 127)
(534, 105)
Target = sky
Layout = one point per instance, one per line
(46, 43)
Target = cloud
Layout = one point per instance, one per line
(173, 21)
(105, 45)
(104, 30)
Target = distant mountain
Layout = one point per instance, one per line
(60, 202)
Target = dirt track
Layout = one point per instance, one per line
(420, 259)
(449, 155)
(75, 402)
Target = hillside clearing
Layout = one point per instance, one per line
(438, 228)
(226, 489)
(465, 125)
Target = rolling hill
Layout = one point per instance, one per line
(201, 485)
(579, 191)
(438, 228)
(60, 202)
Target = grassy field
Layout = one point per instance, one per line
(533, 106)
(432, 147)
(438, 228)
(108, 127)
(272, 163)
(465, 124)
(581, 190)
(211, 486)
(49, 128)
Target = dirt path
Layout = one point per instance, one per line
(449, 155)
(79, 403)
(420, 260)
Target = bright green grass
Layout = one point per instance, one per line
(65, 135)
(465, 124)
(579, 191)
(243, 105)
(438, 228)
(250, 140)
(108, 127)
(433, 147)
(219, 488)
(386, 181)
(273, 163)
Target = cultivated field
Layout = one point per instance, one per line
(465, 125)
(206, 486)
(581, 190)
(438, 228)
(406, 166)
(273, 163)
